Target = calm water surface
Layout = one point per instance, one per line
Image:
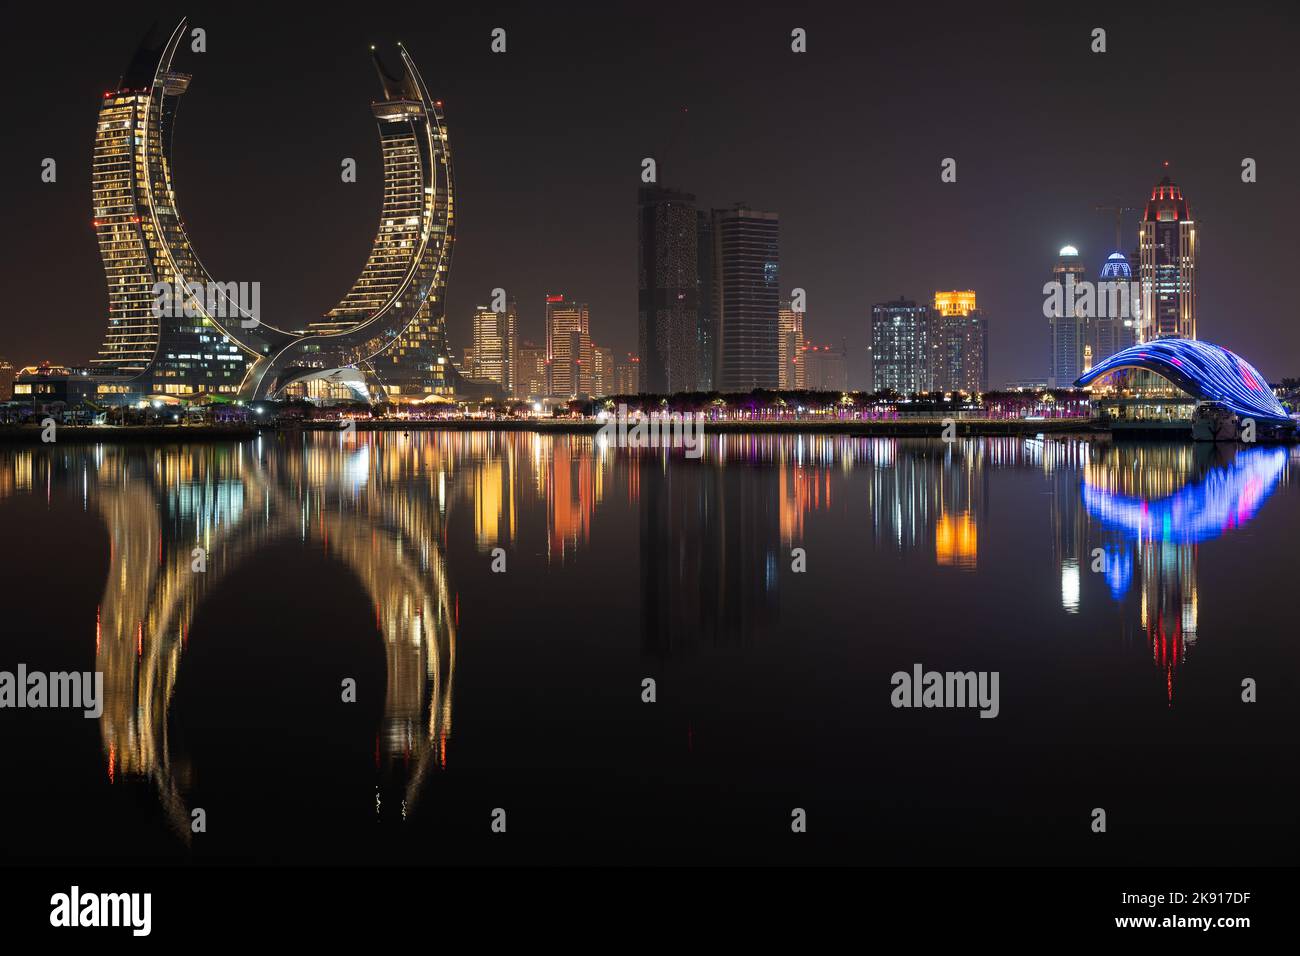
(370, 558)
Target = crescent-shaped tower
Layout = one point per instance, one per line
(388, 330)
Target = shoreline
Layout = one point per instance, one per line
(165, 434)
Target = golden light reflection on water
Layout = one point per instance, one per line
(380, 504)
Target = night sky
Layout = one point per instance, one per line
(845, 142)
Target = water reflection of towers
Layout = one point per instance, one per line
(1156, 504)
(923, 491)
(708, 552)
(363, 504)
(512, 474)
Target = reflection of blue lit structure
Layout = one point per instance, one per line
(1119, 570)
(1225, 498)
(1204, 371)
(1154, 540)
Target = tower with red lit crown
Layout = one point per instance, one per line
(1167, 249)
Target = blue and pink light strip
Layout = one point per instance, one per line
(1206, 372)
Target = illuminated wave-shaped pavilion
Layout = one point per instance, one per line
(1208, 373)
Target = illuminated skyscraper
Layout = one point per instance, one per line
(496, 337)
(747, 265)
(790, 348)
(1111, 333)
(956, 302)
(387, 335)
(1167, 248)
(900, 347)
(142, 241)
(412, 249)
(668, 290)
(530, 378)
(959, 338)
(568, 337)
(602, 371)
(1067, 326)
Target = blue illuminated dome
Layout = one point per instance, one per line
(1208, 373)
(1117, 267)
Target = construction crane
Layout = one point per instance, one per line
(1119, 221)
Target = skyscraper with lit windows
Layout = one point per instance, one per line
(602, 371)
(790, 348)
(568, 338)
(412, 247)
(1067, 326)
(1167, 250)
(900, 347)
(747, 267)
(142, 242)
(959, 337)
(387, 336)
(530, 379)
(496, 339)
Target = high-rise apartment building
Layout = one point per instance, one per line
(900, 347)
(531, 380)
(496, 338)
(602, 371)
(790, 348)
(958, 344)
(747, 266)
(668, 289)
(568, 339)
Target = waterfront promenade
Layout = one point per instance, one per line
(914, 428)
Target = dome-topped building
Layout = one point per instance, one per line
(1118, 316)
(1116, 267)
(1067, 325)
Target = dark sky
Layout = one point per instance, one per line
(845, 142)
